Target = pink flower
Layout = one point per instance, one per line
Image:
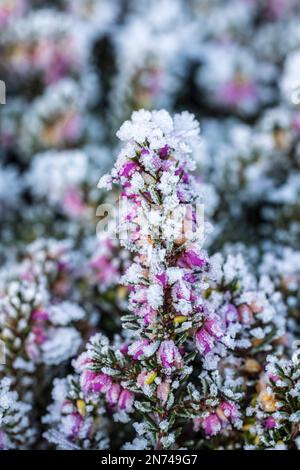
(125, 400)
(73, 204)
(93, 382)
(112, 395)
(191, 259)
(278, 8)
(169, 355)
(231, 314)
(141, 378)
(213, 327)
(270, 423)
(274, 378)
(137, 348)
(204, 342)
(128, 169)
(11, 10)
(163, 391)
(73, 423)
(32, 350)
(296, 123)
(181, 291)
(229, 410)
(164, 151)
(106, 272)
(39, 316)
(236, 92)
(72, 128)
(39, 335)
(163, 279)
(211, 425)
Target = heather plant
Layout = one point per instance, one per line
(152, 374)
(146, 341)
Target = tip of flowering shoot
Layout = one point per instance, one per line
(81, 407)
(151, 377)
(179, 319)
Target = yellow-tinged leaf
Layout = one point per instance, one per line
(81, 407)
(151, 377)
(179, 319)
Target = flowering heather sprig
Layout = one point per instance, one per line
(15, 430)
(274, 417)
(171, 322)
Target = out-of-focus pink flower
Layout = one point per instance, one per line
(71, 128)
(11, 9)
(235, 92)
(73, 204)
(74, 424)
(39, 335)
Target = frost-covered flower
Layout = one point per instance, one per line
(74, 421)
